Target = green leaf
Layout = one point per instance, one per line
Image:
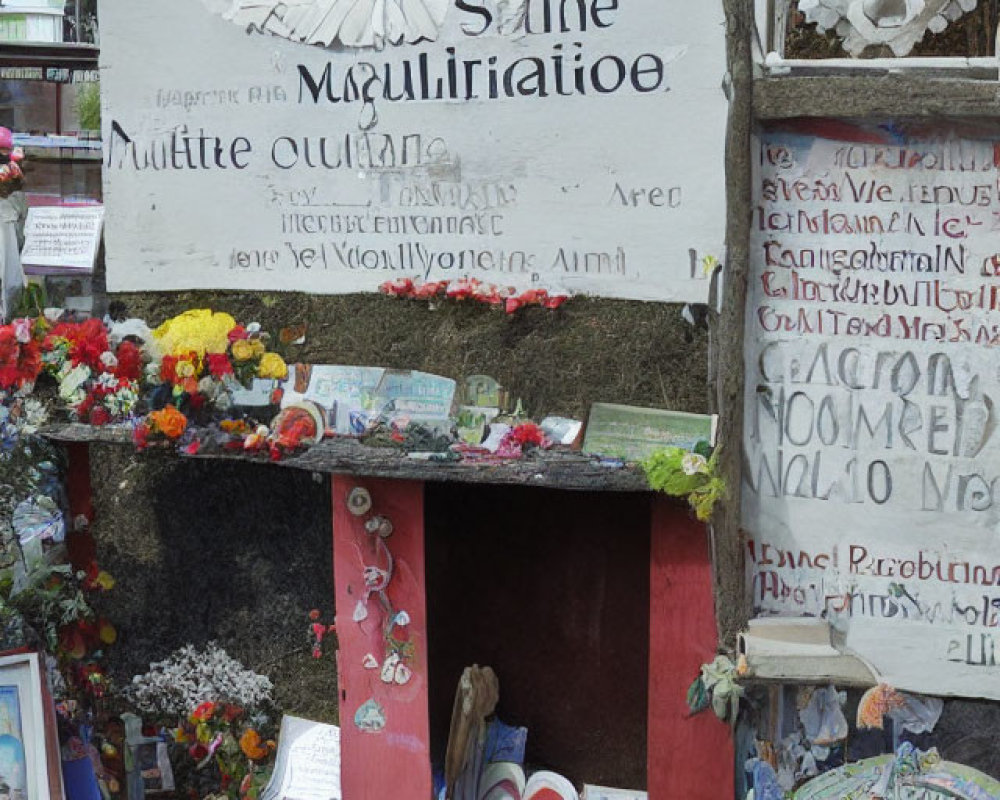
(697, 696)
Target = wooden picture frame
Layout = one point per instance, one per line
(28, 739)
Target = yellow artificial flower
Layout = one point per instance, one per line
(199, 330)
(272, 366)
(184, 369)
(257, 346)
(105, 580)
(203, 732)
(242, 350)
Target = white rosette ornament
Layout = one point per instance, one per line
(352, 23)
(900, 24)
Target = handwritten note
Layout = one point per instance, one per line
(308, 762)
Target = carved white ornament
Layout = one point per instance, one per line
(900, 24)
(353, 23)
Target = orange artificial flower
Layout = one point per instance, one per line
(168, 421)
(253, 747)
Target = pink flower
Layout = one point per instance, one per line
(22, 330)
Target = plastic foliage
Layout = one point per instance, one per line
(717, 687)
(691, 474)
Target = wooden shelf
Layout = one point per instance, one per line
(554, 469)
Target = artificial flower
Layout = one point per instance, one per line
(199, 330)
(71, 384)
(694, 463)
(129, 358)
(272, 366)
(218, 365)
(20, 362)
(85, 342)
(203, 712)
(528, 433)
(22, 330)
(253, 746)
(168, 421)
(107, 632)
(242, 350)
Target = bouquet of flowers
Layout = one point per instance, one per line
(11, 176)
(98, 383)
(20, 356)
(203, 356)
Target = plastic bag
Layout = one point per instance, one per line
(822, 719)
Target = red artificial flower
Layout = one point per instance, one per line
(512, 304)
(204, 712)
(237, 333)
(193, 448)
(198, 751)
(168, 367)
(20, 363)
(400, 288)
(231, 712)
(528, 433)
(197, 400)
(129, 362)
(218, 364)
(554, 301)
(462, 289)
(140, 436)
(85, 406)
(314, 614)
(425, 291)
(87, 341)
(99, 415)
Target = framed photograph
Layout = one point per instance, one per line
(25, 736)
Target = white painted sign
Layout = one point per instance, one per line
(575, 145)
(58, 237)
(873, 397)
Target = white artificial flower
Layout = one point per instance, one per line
(71, 385)
(693, 463)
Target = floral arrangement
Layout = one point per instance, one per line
(203, 356)
(176, 686)
(691, 474)
(473, 289)
(216, 710)
(221, 742)
(44, 601)
(20, 355)
(98, 383)
(11, 175)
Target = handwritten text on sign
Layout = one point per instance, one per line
(566, 144)
(873, 398)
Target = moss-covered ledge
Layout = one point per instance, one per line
(555, 469)
(558, 362)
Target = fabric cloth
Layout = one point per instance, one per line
(13, 211)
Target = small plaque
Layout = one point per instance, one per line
(633, 434)
(62, 237)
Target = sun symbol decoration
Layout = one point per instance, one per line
(352, 23)
(900, 24)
